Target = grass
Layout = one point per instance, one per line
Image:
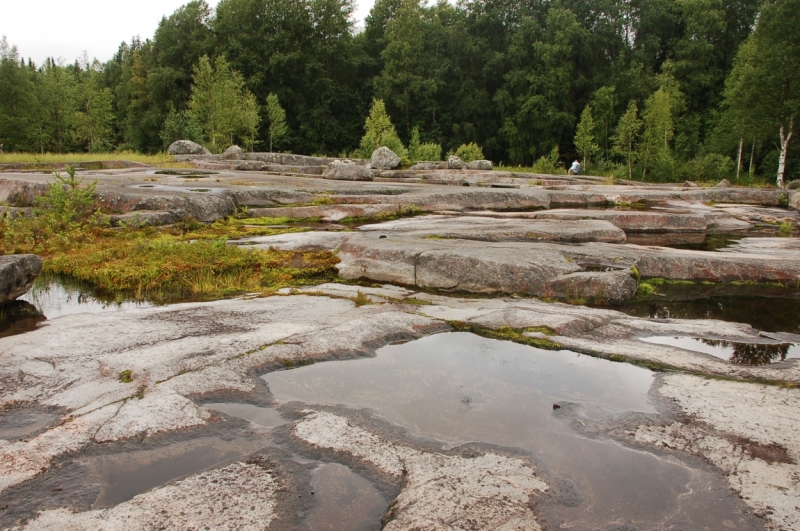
(160, 159)
(185, 261)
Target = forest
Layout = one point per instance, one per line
(657, 90)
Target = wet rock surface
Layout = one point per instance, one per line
(603, 421)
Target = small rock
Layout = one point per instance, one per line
(187, 147)
(347, 171)
(233, 153)
(724, 183)
(17, 273)
(556, 406)
(384, 158)
(485, 165)
(427, 166)
(793, 185)
(455, 163)
(690, 184)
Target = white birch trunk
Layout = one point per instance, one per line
(786, 137)
(739, 163)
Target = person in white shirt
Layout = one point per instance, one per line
(575, 169)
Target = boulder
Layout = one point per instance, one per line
(17, 273)
(233, 153)
(690, 184)
(455, 163)
(724, 183)
(347, 171)
(187, 147)
(384, 158)
(250, 165)
(793, 185)
(484, 165)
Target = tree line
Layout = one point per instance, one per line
(646, 89)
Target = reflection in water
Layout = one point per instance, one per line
(458, 388)
(56, 297)
(738, 353)
(18, 317)
(343, 501)
(766, 314)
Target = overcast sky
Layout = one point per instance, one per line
(67, 28)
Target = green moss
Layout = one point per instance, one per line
(418, 302)
(644, 289)
(405, 212)
(635, 272)
(786, 229)
(126, 376)
(783, 201)
(546, 330)
(505, 333)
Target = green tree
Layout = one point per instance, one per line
(17, 100)
(379, 132)
(584, 135)
(220, 107)
(277, 120)
(94, 115)
(764, 88)
(627, 135)
(658, 130)
(604, 103)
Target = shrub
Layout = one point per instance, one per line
(548, 165)
(418, 151)
(469, 152)
(711, 167)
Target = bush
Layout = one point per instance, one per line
(548, 165)
(469, 152)
(418, 151)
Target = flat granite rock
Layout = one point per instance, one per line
(489, 229)
(17, 273)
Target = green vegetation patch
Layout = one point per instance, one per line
(505, 333)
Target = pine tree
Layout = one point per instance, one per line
(220, 107)
(380, 132)
(277, 120)
(627, 134)
(584, 136)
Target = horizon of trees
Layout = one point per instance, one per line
(647, 89)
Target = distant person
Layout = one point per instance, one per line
(575, 169)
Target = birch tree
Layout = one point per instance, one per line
(764, 87)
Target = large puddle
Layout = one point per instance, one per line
(738, 353)
(460, 388)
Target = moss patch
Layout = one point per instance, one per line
(505, 333)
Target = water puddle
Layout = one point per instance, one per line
(738, 353)
(689, 241)
(18, 317)
(460, 388)
(766, 314)
(20, 423)
(55, 298)
(343, 501)
(262, 416)
(123, 476)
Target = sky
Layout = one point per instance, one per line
(67, 28)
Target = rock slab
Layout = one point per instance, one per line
(187, 147)
(17, 273)
(347, 171)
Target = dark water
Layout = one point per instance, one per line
(261, 416)
(343, 501)
(123, 476)
(738, 353)
(689, 241)
(766, 314)
(19, 423)
(460, 388)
